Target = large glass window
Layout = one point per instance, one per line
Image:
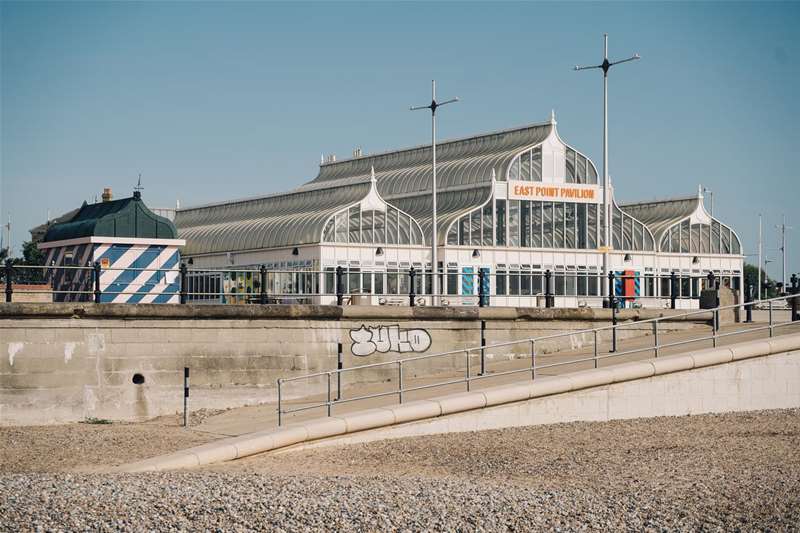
(513, 223)
(391, 226)
(488, 227)
(570, 220)
(525, 224)
(501, 223)
(536, 231)
(558, 225)
(547, 233)
(475, 235)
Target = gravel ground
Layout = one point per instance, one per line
(87, 447)
(711, 472)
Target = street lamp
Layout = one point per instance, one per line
(605, 66)
(434, 244)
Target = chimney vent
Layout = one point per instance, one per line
(107, 196)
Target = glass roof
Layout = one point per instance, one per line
(464, 176)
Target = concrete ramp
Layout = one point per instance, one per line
(763, 374)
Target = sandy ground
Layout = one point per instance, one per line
(709, 473)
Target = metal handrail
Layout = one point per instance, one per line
(400, 390)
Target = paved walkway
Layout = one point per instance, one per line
(247, 419)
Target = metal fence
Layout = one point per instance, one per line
(349, 286)
(790, 302)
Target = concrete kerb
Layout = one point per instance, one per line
(270, 440)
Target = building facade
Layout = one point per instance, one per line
(520, 206)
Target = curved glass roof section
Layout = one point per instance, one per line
(682, 225)
(464, 181)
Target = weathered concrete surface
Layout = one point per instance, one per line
(753, 375)
(66, 362)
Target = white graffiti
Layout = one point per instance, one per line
(383, 339)
(13, 350)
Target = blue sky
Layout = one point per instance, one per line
(213, 101)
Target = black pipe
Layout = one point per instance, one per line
(9, 282)
(263, 295)
(548, 289)
(96, 275)
(339, 293)
(673, 290)
(411, 289)
(184, 285)
(481, 295)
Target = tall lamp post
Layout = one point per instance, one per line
(605, 66)
(434, 239)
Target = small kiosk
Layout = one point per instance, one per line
(137, 251)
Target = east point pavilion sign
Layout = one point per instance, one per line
(525, 190)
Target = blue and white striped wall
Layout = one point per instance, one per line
(132, 270)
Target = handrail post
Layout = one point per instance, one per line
(714, 327)
(748, 308)
(329, 394)
(400, 379)
(481, 295)
(466, 352)
(279, 402)
(9, 281)
(533, 359)
(673, 290)
(262, 270)
(184, 288)
(770, 318)
(96, 276)
(483, 348)
(548, 288)
(339, 293)
(655, 336)
(411, 289)
(595, 348)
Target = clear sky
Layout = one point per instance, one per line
(214, 101)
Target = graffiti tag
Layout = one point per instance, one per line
(383, 339)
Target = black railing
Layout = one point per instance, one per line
(412, 286)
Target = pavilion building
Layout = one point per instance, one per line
(514, 204)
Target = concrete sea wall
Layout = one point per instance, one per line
(67, 362)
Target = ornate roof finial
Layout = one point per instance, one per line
(553, 117)
(372, 175)
(699, 190)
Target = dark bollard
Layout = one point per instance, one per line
(339, 287)
(481, 295)
(673, 290)
(411, 289)
(96, 276)
(185, 395)
(9, 282)
(712, 284)
(339, 367)
(612, 303)
(262, 297)
(548, 289)
(184, 283)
